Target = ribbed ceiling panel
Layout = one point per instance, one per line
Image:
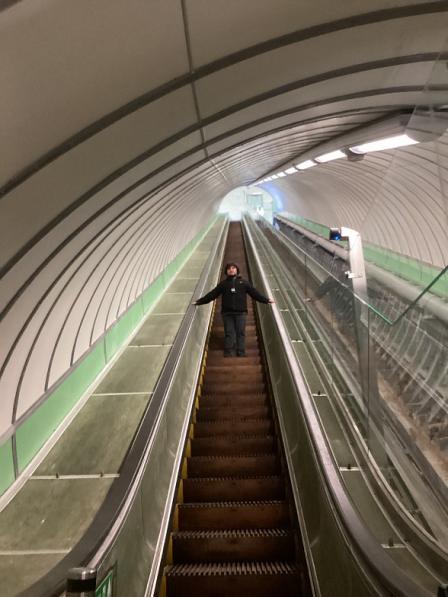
(125, 123)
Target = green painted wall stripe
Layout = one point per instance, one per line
(32, 434)
(123, 328)
(152, 293)
(6, 466)
(418, 273)
(36, 430)
(40, 425)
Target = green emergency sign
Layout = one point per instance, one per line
(106, 587)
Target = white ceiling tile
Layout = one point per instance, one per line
(67, 64)
(323, 56)
(220, 28)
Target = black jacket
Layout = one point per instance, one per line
(233, 291)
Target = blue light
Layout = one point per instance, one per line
(335, 234)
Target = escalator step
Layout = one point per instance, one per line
(232, 445)
(233, 489)
(215, 413)
(216, 354)
(237, 369)
(260, 579)
(226, 466)
(233, 426)
(251, 330)
(217, 359)
(232, 400)
(238, 515)
(231, 546)
(217, 342)
(244, 374)
(234, 387)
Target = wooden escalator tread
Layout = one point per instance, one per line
(235, 533)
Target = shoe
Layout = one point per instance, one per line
(240, 354)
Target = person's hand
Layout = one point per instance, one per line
(271, 301)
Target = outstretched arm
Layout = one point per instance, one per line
(210, 296)
(255, 294)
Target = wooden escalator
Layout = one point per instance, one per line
(234, 531)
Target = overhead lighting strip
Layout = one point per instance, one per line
(382, 144)
(328, 157)
(306, 164)
(361, 149)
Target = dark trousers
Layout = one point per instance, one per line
(234, 333)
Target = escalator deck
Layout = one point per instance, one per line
(234, 529)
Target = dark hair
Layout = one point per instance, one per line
(230, 265)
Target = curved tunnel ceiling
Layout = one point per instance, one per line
(123, 119)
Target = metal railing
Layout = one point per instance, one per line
(353, 562)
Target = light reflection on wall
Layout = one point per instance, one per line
(276, 194)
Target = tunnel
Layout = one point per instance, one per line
(124, 126)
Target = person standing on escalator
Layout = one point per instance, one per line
(234, 291)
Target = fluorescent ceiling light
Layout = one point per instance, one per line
(387, 143)
(328, 157)
(274, 176)
(281, 174)
(291, 170)
(268, 178)
(306, 164)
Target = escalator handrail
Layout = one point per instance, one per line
(107, 522)
(381, 567)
